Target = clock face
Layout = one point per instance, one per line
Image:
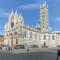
(12, 24)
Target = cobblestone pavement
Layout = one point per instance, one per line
(29, 56)
(33, 54)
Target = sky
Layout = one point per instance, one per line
(30, 10)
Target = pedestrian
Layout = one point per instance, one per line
(27, 49)
(6, 48)
(58, 54)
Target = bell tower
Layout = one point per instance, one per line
(44, 18)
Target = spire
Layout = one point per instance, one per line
(12, 12)
(21, 18)
(16, 14)
(44, 4)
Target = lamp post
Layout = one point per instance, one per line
(28, 46)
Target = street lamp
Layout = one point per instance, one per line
(28, 46)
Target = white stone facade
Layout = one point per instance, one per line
(17, 33)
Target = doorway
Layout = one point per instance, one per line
(44, 45)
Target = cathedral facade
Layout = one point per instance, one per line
(17, 33)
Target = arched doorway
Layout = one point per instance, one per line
(44, 45)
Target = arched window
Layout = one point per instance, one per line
(31, 35)
(12, 41)
(53, 37)
(25, 33)
(35, 36)
(16, 41)
(12, 24)
(15, 33)
(11, 34)
(44, 37)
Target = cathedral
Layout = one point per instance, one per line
(17, 33)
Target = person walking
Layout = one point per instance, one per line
(58, 54)
(28, 50)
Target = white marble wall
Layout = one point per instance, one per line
(58, 39)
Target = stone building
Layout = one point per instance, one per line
(1, 40)
(17, 33)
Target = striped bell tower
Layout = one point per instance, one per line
(44, 18)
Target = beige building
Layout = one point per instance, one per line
(1, 40)
(17, 33)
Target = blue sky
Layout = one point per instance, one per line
(30, 10)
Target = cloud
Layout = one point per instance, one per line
(58, 19)
(56, 31)
(50, 28)
(29, 6)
